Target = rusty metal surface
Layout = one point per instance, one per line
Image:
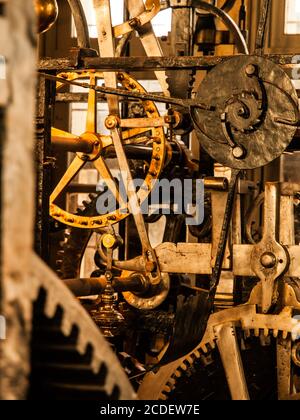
(161, 384)
(262, 27)
(151, 63)
(247, 103)
(246, 125)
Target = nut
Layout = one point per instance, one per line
(268, 260)
(112, 122)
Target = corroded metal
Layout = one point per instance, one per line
(255, 114)
(287, 61)
(101, 143)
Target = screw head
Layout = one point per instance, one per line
(109, 241)
(251, 70)
(268, 260)
(238, 152)
(111, 122)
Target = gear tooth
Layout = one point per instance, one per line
(275, 333)
(285, 334)
(167, 389)
(197, 354)
(257, 332)
(247, 333)
(266, 332)
(92, 196)
(66, 326)
(295, 335)
(171, 382)
(86, 203)
(183, 366)
(163, 397)
(178, 374)
(212, 345)
(204, 349)
(189, 360)
(58, 263)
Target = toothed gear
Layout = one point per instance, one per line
(76, 240)
(71, 360)
(160, 385)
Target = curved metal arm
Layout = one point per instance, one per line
(228, 21)
(81, 25)
(228, 5)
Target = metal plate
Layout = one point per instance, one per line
(268, 139)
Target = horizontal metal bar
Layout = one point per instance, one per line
(152, 63)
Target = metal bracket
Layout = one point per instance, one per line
(180, 3)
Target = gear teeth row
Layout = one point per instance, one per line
(206, 348)
(70, 358)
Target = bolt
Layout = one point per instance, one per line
(241, 112)
(135, 22)
(251, 70)
(238, 152)
(109, 241)
(268, 260)
(111, 122)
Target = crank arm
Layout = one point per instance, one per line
(150, 258)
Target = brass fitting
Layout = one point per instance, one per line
(109, 241)
(112, 122)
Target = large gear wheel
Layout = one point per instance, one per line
(100, 147)
(162, 384)
(71, 360)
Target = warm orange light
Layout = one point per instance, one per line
(47, 12)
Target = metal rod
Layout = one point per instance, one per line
(86, 287)
(187, 103)
(262, 27)
(96, 285)
(78, 146)
(151, 63)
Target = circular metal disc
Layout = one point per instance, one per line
(268, 139)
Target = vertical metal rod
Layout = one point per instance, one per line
(262, 27)
(232, 362)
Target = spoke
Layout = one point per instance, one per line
(91, 121)
(128, 134)
(106, 141)
(106, 175)
(143, 122)
(57, 134)
(70, 174)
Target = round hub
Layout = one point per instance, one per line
(254, 108)
(268, 260)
